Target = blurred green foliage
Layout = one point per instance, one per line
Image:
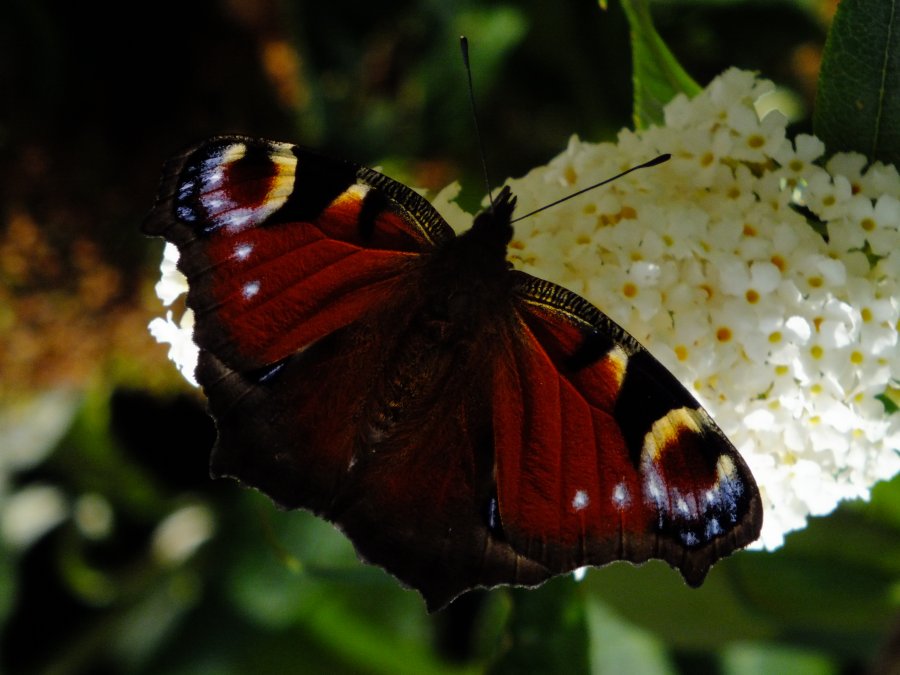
(153, 568)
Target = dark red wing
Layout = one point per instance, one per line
(601, 454)
(401, 465)
(282, 246)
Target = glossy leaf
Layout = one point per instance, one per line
(656, 73)
(858, 102)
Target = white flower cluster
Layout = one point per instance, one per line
(171, 285)
(716, 261)
(712, 260)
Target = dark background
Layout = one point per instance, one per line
(93, 100)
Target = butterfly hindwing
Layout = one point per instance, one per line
(604, 455)
(411, 495)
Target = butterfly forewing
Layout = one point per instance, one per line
(282, 246)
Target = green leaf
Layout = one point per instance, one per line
(858, 102)
(656, 73)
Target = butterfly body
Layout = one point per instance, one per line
(464, 423)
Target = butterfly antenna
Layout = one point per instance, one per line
(653, 162)
(464, 47)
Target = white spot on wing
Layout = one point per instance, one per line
(236, 219)
(186, 214)
(580, 500)
(243, 251)
(620, 496)
(689, 538)
(250, 289)
(655, 486)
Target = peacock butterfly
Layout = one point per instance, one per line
(464, 423)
